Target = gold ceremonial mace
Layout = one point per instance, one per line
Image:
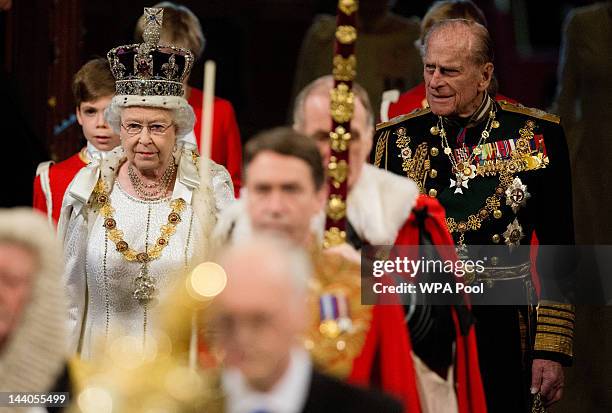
(341, 108)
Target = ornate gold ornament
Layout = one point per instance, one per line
(336, 207)
(339, 139)
(346, 34)
(338, 171)
(342, 103)
(333, 237)
(344, 68)
(417, 164)
(348, 7)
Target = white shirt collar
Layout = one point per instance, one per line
(288, 395)
(95, 153)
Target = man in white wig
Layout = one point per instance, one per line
(32, 304)
(139, 219)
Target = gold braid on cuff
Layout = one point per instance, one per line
(555, 328)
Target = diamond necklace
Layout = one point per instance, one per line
(155, 190)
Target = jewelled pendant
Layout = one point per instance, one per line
(145, 289)
(462, 251)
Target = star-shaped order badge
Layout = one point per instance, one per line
(517, 195)
(513, 234)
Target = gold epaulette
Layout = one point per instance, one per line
(401, 118)
(555, 328)
(536, 113)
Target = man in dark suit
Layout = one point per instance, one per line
(256, 322)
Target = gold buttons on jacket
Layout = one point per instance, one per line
(497, 214)
(496, 238)
(433, 193)
(434, 151)
(433, 173)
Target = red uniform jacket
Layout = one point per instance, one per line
(415, 99)
(226, 144)
(60, 176)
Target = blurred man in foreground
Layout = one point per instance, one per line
(256, 323)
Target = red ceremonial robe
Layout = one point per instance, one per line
(386, 358)
(470, 391)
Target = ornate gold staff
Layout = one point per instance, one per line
(341, 108)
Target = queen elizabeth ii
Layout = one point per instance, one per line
(139, 218)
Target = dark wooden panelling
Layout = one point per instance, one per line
(65, 35)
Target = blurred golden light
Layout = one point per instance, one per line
(127, 352)
(183, 383)
(207, 280)
(95, 400)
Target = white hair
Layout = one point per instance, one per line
(181, 112)
(293, 260)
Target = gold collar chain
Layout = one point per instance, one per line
(521, 160)
(102, 199)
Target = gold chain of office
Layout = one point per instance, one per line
(102, 202)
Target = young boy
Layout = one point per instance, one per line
(93, 87)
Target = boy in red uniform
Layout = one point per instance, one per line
(93, 88)
(182, 28)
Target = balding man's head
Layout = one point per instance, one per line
(473, 37)
(312, 118)
(266, 260)
(263, 309)
(321, 88)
